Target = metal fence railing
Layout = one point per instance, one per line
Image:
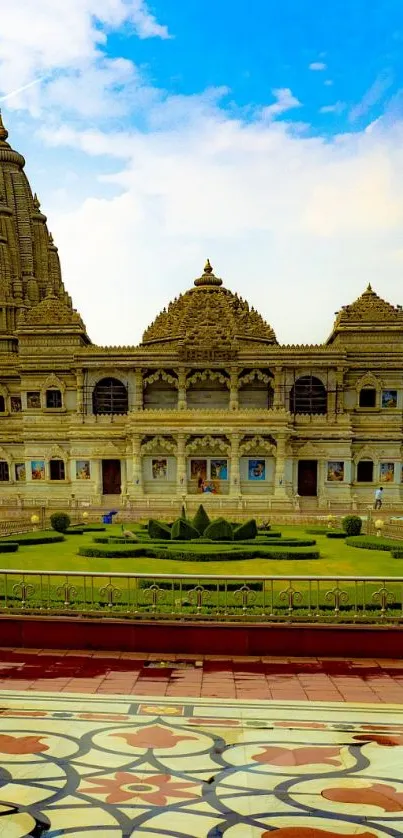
(204, 597)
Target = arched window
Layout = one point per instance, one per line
(365, 471)
(308, 395)
(56, 469)
(367, 397)
(110, 396)
(53, 398)
(4, 471)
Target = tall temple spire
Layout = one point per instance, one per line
(3, 130)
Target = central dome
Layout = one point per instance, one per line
(209, 314)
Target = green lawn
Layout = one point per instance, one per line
(337, 559)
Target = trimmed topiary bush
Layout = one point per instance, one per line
(370, 542)
(156, 529)
(8, 546)
(336, 534)
(60, 521)
(201, 520)
(30, 538)
(219, 530)
(352, 524)
(246, 531)
(224, 555)
(183, 531)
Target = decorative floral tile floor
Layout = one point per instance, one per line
(114, 767)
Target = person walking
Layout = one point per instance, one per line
(378, 498)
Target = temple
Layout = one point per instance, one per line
(209, 403)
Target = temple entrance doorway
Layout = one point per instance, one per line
(111, 477)
(307, 478)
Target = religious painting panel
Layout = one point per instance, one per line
(389, 398)
(37, 469)
(33, 400)
(335, 471)
(198, 469)
(219, 469)
(159, 468)
(386, 472)
(15, 402)
(256, 469)
(83, 470)
(20, 472)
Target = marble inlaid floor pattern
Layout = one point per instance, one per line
(123, 767)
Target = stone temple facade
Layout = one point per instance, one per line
(209, 403)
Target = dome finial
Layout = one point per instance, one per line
(369, 288)
(208, 277)
(3, 130)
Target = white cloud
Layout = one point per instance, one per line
(317, 66)
(328, 82)
(61, 42)
(285, 101)
(372, 96)
(337, 108)
(297, 224)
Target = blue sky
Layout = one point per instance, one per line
(266, 136)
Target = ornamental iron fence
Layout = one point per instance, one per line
(204, 597)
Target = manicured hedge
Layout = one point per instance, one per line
(352, 524)
(190, 556)
(201, 520)
(219, 530)
(31, 538)
(8, 547)
(246, 531)
(398, 553)
(156, 529)
(370, 542)
(317, 530)
(183, 531)
(336, 534)
(266, 534)
(74, 531)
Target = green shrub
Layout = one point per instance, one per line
(219, 530)
(74, 531)
(8, 546)
(246, 531)
(187, 556)
(183, 531)
(35, 538)
(336, 534)
(370, 542)
(264, 534)
(317, 530)
(201, 520)
(156, 529)
(202, 540)
(398, 553)
(352, 524)
(60, 521)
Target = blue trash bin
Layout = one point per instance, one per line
(107, 519)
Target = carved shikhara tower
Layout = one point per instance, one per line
(208, 403)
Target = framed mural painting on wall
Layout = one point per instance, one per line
(33, 400)
(38, 469)
(219, 469)
(20, 472)
(256, 469)
(83, 470)
(386, 472)
(159, 468)
(335, 471)
(389, 398)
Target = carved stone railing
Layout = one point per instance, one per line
(262, 599)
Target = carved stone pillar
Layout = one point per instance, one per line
(233, 394)
(279, 476)
(138, 393)
(137, 465)
(181, 476)
(340, 390)
(80, 391)
(278, 395)
(235, 484)
(321, 484)
(182, 403)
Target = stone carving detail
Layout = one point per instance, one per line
(155, 376)
(214, 443)
(57, 453)
(255, 374)
(370, 307)
(367, 453)
(256, 445)
(311, 449)
(203, 375)
(158, 444)
(369, 380)
(55, 382)
(4, 455)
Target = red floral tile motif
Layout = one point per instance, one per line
(152, 736)
(35, 714)
(308, 725)
(21, 744)
(379, 794)
(308, 832)
(380, 739)
(276, 755)
(392, 728)
(103, 717)
(154, 789)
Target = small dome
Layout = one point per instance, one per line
(52, 311)
(208, 314)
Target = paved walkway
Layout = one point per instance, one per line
(292, 679)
